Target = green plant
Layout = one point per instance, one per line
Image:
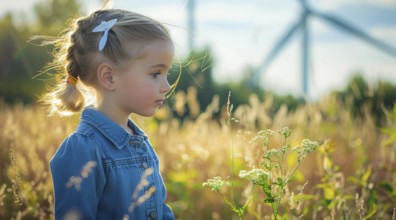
(271, 175)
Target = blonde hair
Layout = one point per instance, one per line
(77, 46)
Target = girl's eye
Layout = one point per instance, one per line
(156, 74)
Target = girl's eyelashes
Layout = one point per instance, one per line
(159, 73)
(156, 74)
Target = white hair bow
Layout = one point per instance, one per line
(104, 26)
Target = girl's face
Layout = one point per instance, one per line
(142, 84)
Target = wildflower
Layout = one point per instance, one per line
(300, 196)
(73, 215)
(263, 135)
(216, 183)
(74, 181)
(88, 168)
(2, 194)
(77, 180)
(360, 206)
(257, 176)
(136, 201)
(143, 182)
(237, 155)
(285, 148)
(307, 146)
(229, 108)
(273, 152)
(142, 198)
(285, 132)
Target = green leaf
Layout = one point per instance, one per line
(368, 216)
(298, 176)
(366, 175)
(348, 197)
(391, 138)
(269, 200)
(329, 193)
(267, 190)
(279, 182)
(386, 186)
(387, 131)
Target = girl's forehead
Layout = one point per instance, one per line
(160, 49)
(152, 53)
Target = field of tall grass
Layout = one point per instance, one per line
(351, 175)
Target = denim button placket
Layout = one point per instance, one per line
(153, 215)
(145, 165)
(134, 143)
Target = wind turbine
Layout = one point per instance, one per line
(308, 12)
(191, 23)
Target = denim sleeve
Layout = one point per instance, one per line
(168, 213)
(78, 178)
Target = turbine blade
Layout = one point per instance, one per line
(303, 3)
(305, 55)
(357, 32)
(275, 50)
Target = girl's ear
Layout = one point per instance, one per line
(105, 76)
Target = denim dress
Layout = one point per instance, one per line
(103, 172)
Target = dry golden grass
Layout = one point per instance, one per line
(350, 175)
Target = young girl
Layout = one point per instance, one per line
(107, 169)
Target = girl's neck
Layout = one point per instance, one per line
(117, 115)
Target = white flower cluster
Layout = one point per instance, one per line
(256, 175)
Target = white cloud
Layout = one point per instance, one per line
(217, 11)
(386, 33)
(174, 12)
(335, 4)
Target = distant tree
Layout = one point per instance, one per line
(197, 72)
(361, 95)
(51, 15)
(20, 61)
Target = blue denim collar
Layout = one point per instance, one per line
(112, 131)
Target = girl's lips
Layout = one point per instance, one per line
(160, 101)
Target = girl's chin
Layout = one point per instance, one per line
(146, 114)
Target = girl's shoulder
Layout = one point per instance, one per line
(79, 139)
(77, 146)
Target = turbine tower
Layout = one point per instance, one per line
(302, 24)
(191, 23)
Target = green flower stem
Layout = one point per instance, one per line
(283, 158)
(292, 175)
(233, 167)
(240, 211)
(276, 209)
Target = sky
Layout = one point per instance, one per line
(242, 33)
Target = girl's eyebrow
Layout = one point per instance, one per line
(164, 66)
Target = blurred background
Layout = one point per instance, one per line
(238, 38)
(326, 69)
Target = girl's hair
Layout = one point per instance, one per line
(76, 48)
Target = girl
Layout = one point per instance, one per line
(107, 169)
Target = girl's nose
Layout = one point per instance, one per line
(166, 87)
